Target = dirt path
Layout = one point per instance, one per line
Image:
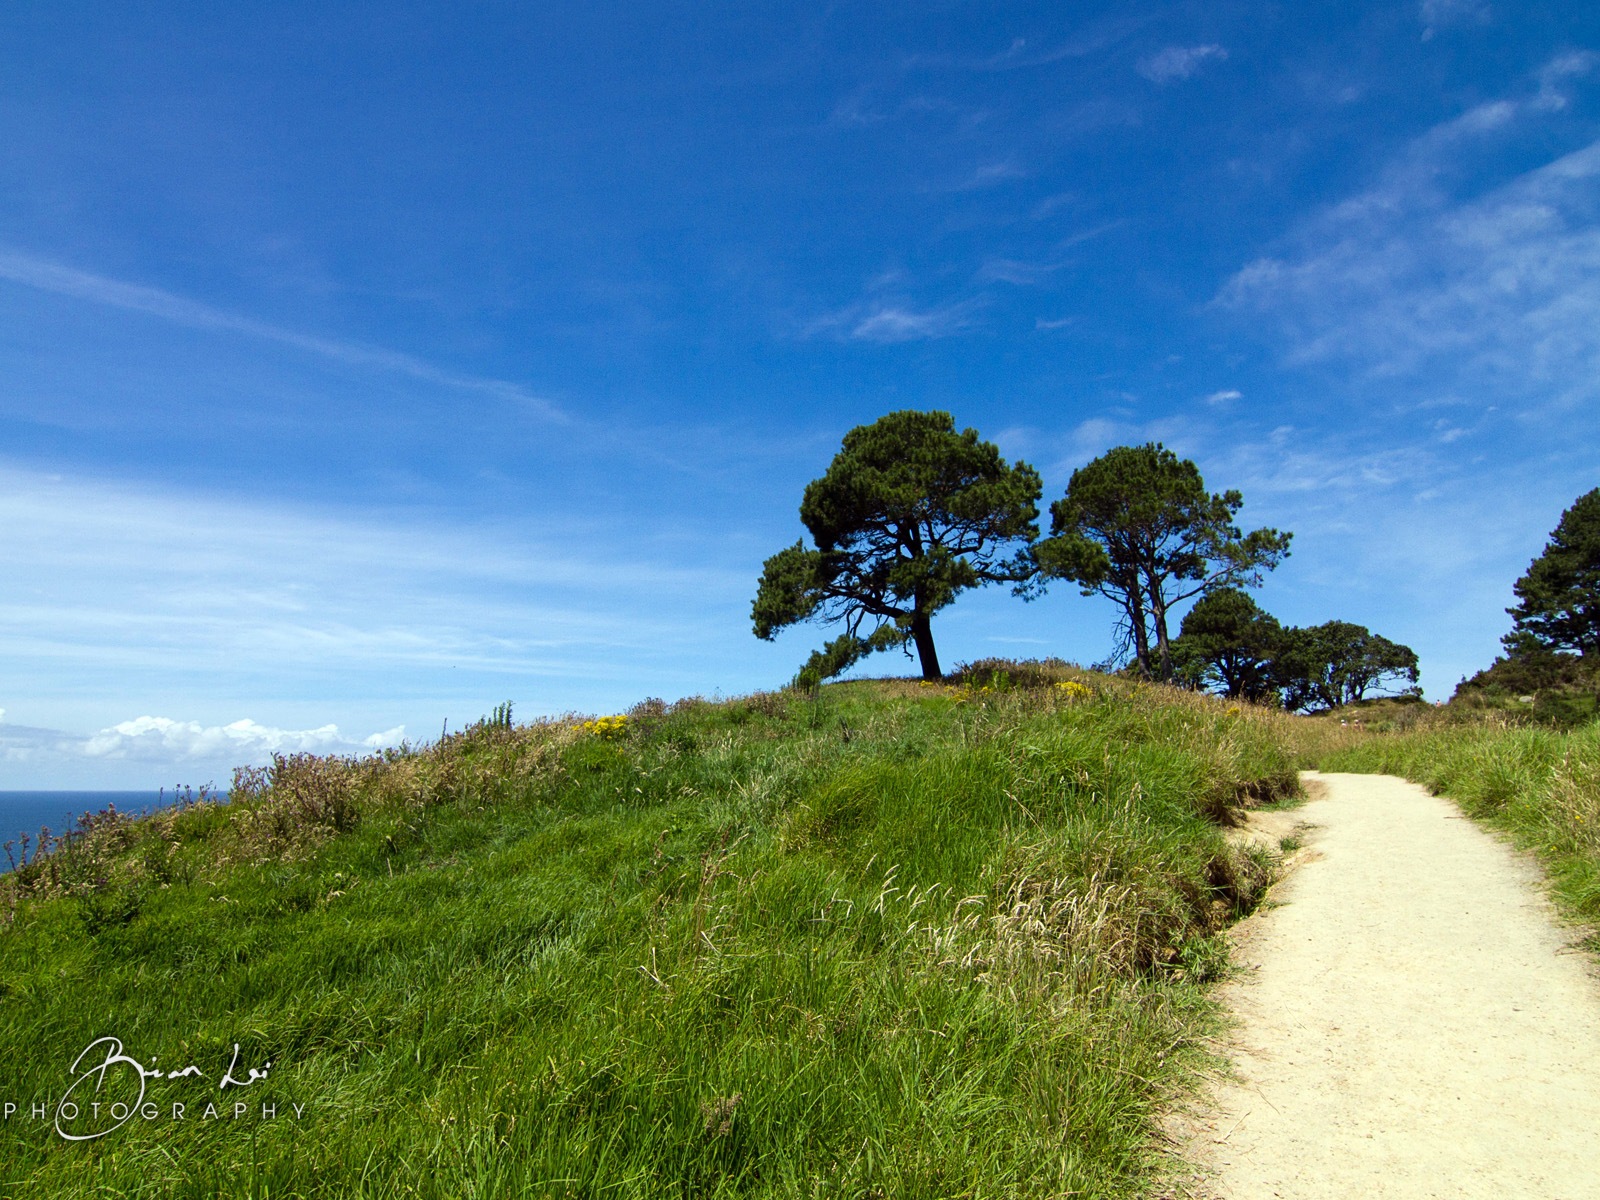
(1412, 1021)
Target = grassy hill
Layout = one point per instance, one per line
(892, 940)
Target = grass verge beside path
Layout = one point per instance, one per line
(895, 941)
(1539, 786)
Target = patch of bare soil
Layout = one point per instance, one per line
(1412, 1019)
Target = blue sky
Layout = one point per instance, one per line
(362, 366)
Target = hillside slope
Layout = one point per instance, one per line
(893, 940)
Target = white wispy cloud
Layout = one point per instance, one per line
(49, 276)
(1554, 74)
(891, 323)
(1288, 461)
(1023, 53)
(1224, 397)
(1406, 279)
(863, 108)
(1176, 63)
(1087, 235)
(990, 174)
(1016, 271)
(887, 321)
(1441, 14)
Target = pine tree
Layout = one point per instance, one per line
(1559, 598)
(909, 514)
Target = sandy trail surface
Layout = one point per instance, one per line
(1413, 1021)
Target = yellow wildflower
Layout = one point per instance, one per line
(607, 727)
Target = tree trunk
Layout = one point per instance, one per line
(1136, 627)
(922, 634)
(1158, 614)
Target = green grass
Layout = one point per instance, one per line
(1540, 786)
(893, 941)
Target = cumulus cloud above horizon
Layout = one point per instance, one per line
(161, 744)
(164, 739)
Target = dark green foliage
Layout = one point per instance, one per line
(1551, 669)
(1532, 668)
(1138, 527)
(1567, 709)
(1336, 663)
(909, 514)
(1227, 643)
(1559, 598)
(1535, 682)
(1529, 669)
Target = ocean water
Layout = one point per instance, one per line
(25, 812)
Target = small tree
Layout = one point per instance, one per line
(1228, 643)
(1559, 597)
(1138, 526)
(910, 514)
(1336, 663)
